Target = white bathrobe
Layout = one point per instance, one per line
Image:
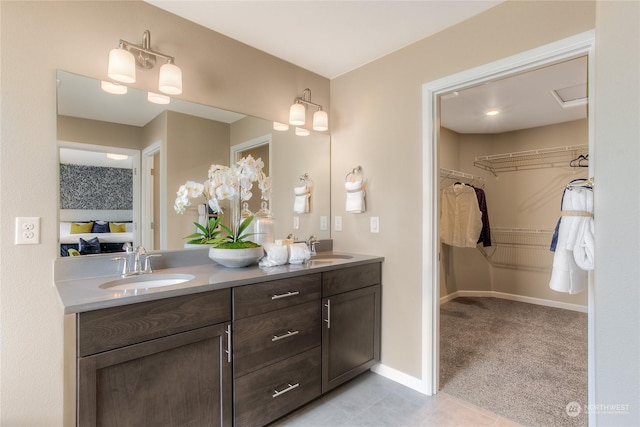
(574, 233)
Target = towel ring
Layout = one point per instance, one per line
(304, 178)
(356, 171)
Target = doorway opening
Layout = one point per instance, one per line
(570, 48)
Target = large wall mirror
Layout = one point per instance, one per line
(122, 159)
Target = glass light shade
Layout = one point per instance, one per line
(280, 126)
(320, 120)
(122, 66)
(170, 80)
(114, 88)
(297, 114)
(302, 132)
(157, 98)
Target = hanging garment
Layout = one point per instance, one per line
(573, 241)
(485, 233)
(460, 216)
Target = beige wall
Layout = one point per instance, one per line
(37, 38)
(377, 116)
(617, 209)
(74, 129)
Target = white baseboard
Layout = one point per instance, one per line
(400, 377)
(513, 297)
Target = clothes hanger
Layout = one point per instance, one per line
(577, 162)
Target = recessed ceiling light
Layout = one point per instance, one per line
(492, 113)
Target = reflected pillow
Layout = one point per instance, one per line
(100, 227)
(81, 227)
(115, 227)
(91, 246)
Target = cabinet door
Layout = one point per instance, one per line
(350, 335)
(179, 380)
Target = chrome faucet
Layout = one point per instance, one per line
(312, 241)
(130, 270)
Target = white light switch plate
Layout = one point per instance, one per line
(296, 222)
(337, 223)
(375, 224)
(324, 223)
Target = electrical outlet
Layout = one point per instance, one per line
(375, 224)
(27, 230)
(296, 222)
(324, 223)
(337, 223)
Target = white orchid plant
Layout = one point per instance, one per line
(233, 183)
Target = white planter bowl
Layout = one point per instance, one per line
(236, 257)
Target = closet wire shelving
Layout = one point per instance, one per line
(519, 249)
(461, 176)
(532, 159)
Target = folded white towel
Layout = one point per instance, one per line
(355, 202)
(301, 204)
(353, 185)
(299, 191)
(276, 255)
(299, 253)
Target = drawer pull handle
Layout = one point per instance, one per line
(283, 336)
(288, 294)
(328, 319)
(228, 350)
(290, 387)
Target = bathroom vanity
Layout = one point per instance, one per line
(236, 347)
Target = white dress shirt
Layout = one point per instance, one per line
(460, 216)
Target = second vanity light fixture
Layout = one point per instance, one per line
(124, 60)
(298, 112)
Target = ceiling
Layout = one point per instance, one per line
(333, 37)
(329, 38)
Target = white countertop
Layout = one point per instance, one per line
(79, 287)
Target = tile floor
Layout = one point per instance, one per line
(373, 400)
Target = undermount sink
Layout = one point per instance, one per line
(146, 281)
(326, 258)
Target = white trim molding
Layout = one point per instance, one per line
(514, 297)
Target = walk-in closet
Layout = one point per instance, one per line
(508, 150)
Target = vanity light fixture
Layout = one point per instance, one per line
(158, 98)
(114, 88)
(124, 60)
(298, 110)
(280, 126)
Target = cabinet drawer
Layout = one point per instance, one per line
(115, 327)
(251, 300)
(261, 340)
(348, 279)
(268, 394)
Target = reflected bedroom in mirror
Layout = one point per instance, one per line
(122, 158)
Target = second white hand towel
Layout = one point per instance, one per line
(299, 253)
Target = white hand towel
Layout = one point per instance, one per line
(299, 253)
(355, 202)
(276, 255)
(355, 196)
(301, 204)
(301, 190)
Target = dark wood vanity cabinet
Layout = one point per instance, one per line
(276, 348)
(351, 323)
(163, 362)
(243, 356)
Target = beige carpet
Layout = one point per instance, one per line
(522, 361)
